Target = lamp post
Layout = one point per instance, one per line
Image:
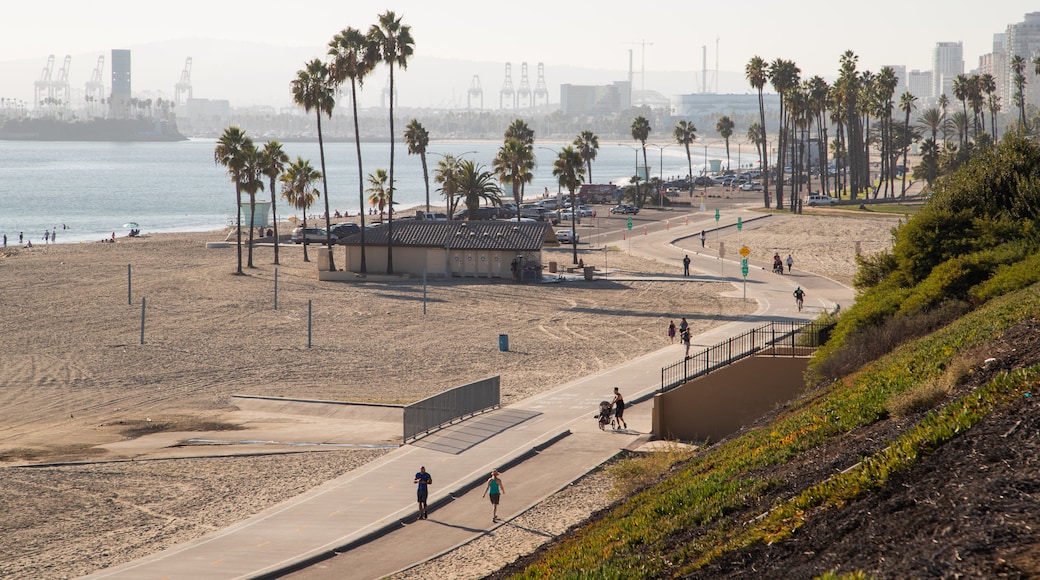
(636, 174)
(705, 173)
(442, 156)
(660, 182)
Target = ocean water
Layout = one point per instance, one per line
(88, 191)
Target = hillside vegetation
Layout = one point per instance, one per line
(913, 453)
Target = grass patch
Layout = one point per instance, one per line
(55, 453)
(140, 428)
(635, 472)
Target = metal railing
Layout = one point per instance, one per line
(781, 338)
(434, 412)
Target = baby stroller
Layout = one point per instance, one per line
(606, 415)
(778, 267)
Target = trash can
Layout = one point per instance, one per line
(503, 342)
(588, 272)
(552, 267)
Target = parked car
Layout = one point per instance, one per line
(703, 180)
(751, 186)
(312, 235)
(624, 208)
(343, 230)
(566, 236)
(586, 211)
(814, 200)
(483, 213)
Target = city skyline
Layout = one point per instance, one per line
(265, 53)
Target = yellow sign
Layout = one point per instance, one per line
(744, 251)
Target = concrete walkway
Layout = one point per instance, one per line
(553, 431)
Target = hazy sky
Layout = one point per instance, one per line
(813, 33)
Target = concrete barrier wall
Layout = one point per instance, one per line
(716, 405)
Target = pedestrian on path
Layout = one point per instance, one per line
(686, 340)
(790, 262)
(704, 236)
(619, 409)
(686, 265)
(424, 480)
(495, 489)
(671, 329)
(683, 325)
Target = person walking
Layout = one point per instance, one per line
(704, 237)
(671, 324)
(790, 262)
(619, 409)
(683, 325)
(19, 238)
(495, 489)
(686, 340)
(5, 240)
(424, 480)
(686, 265)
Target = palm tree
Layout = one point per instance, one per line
(931, 120)
(641, 132)
(906, 104)
(272, 163)
(993, 104)
(783, 75)
(1018, 79)
(757, 75)
(313, 89)
(685, 134)
(297, 189)
(514, 165)
(519, 130)
(380, 193)
(231, 152)
(394, 44)
(418, 139)
(476, 184)
(754, 135)
(725, 128)
(569, 171)
(252, 182)
(353, 56)
(447, 174)
(588, 147)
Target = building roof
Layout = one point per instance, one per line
(466, 235)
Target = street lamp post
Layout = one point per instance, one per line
(660, 184)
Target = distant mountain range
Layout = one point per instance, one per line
(255, 74)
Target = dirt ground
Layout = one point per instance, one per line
(75, 378)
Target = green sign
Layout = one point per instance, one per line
(740, 223)
(629, 223)
(743, 267)
(716, 214)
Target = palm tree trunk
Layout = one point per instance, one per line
(390, 220)
(274, 218)
(252, 220)
(238, 222)
(765, 149)
(363, 268)
(325, 193)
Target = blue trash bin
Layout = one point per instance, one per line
(503, 342)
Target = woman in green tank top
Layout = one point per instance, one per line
(495, 489)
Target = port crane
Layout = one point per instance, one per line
(475, 91)
(59, 92)
(184, 85)
(95, 88)
(43, 85)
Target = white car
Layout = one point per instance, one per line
(814, 200)
(313, 235)
(565, 236)
(751, 186)
(586, 211)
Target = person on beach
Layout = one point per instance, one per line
(704, 237)
(46, 236)
(790, 262)
(495, 488)
(54, 236)
(424, 480)
(619, 409)
(19, 238)
(5, 240)
(671, 332)
(686, 265)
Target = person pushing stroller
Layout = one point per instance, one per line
(605, 415)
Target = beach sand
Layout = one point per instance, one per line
(74, 374)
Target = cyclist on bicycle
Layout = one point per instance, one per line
(799, 296)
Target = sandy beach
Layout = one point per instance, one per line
(75, 375)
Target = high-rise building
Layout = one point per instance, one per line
(900, 71)
(996, 64)
(1023, 39)
(119, 100)
(947, 63)
(919, 83)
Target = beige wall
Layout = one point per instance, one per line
(716, 405)
(465, 263)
